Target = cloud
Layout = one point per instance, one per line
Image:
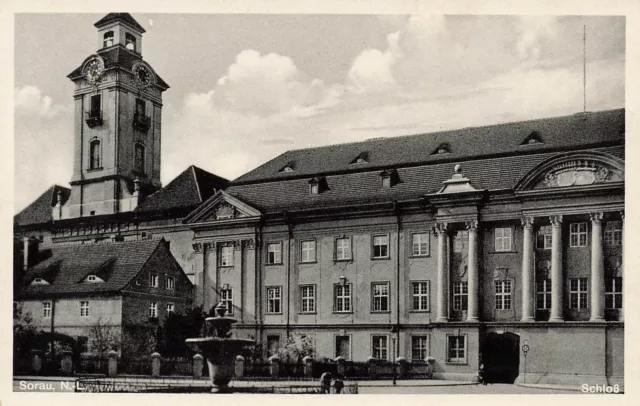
(30, 100)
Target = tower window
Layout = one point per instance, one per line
(130, 42)
(139, 157)
(108, 39)
(94, 160)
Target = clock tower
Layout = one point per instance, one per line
(118, 109)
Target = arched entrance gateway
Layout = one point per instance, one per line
(500, 356)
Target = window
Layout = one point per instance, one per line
(226, 296)
(613, 293)
(153, 309)
(380, 246)
(578, 234)
(96, 107)
(83, 343)
(419, 348)
(386, 181)
(503, 295)
(139, 157)
(460, 295)
(274, 299)
(420, 244)
(420, 295)
(170, 308)
(613, 233)
(380, 297)
(343, 347)
(308, 251)
(578, 293)
(543, 238)
(503, 239)
(226, 256)
(456, 349)
(153, 280)
(46, 310)
(84, 308)
(273, 344)
(314, 188)
(307, 299)
(380, 347)
(107, 39)
(543, 294)
(274, 253)
(342, 298)
(91, 278)
(170, 282)
(94, 152)
(130, 41)
(343, 249)
(141, 108)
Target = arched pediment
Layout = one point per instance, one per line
(574, 169)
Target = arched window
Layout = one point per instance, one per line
(139, 157)
(94, 152)
(130, 42)
(107, 39)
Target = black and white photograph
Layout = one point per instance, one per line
(371, 201)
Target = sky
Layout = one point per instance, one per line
(248, 87)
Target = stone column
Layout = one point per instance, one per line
(442, 283)
(197, 366)
(275, 366)
(373, 370)
(66, 363)
(239, 367)
(528, 275)
(308, 366)
(341, 368)
(597, 268)
(403, 367)
(36, 361)
(472, 313)
(155, 364)
(113, 363)
(556, 313)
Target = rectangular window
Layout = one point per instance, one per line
(543, 294)
(503, 295)
(95, 106)
(543, 238)
(342, 298)
(171, 282)
(460, 295)
(141, 109)
(153, 309)
(380, 347)
(456, 349)
(380, 246)
(170, 308)
(503, 239)
(153, 280)
(307, 299)
(613, 293)
(308, 251)
(226, 256)
(274, 253)
(380, 297)
(343, 249)
(343, 347)
(420, 244)
(226, 297)
(420, 296)
(46, 310)
(274, 300)
(84, 308)
(578, 293)
(419, 348)
(613, 233)
(578, 234)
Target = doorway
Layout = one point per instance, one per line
(501, 357)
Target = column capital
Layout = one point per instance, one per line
(596, 218)
(556, 220)
(197, 247)
(527, 221)
(471, 225)
(440, 228)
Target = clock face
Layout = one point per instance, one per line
(143, 76)
(93, 71)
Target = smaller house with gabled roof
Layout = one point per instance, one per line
(127, 286)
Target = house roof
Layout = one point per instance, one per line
(124, 17)
(39, 211)
(116, 263)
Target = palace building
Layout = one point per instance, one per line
(466, 246)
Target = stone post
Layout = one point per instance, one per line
(442, 285)
(472, 227)
(155, 365)
(342, 368)
(36, 361)
(556, 269)
(308, 366)
(197, 366)
(597, 268)
(403, 367)
(66, 363)
(239, 370)
(430, 367)
(528, 276)
(373, 368)
(275, 366)
(113, 363)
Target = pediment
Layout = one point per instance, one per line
(222, 206)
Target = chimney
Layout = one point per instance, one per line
(30, 254)
(25, 253)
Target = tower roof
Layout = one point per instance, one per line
(124, 17)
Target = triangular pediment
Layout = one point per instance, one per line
(220, 207)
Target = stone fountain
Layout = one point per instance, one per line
(219, 349)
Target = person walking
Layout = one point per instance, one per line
(338, 384)
(325, 382)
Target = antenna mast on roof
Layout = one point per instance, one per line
(584, 68)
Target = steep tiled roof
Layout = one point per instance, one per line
(189, 189)
(499, 139)
(116, 263)
(124, 17)
(40, 210)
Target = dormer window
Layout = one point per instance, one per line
(39, 281)
(289, 167)
(442, 149)
(389, 178)
(93, 279)
(130, 42)
(314, 188)
(317, 186)
(363, 158)
(108, 39)
(532, 139)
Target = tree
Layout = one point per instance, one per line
(296, 347)
(103, 337)
(24, 333)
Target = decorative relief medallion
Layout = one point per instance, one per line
(225, 211)
(578, 173)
